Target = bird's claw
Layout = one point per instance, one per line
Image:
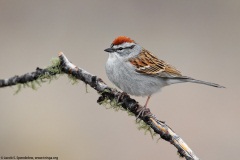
(143, 111)
(121, 95)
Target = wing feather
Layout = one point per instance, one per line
(147, 63)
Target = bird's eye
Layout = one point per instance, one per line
(120, 48)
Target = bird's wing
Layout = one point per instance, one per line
(149, 64)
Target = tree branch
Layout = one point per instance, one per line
(106, 94)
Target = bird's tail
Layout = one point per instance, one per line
(189, 79)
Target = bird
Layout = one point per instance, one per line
(136, 71)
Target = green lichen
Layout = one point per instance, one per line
(53, 72)
(113, 104)
(147, 129)
(130, 113)
(73, 80)
(86, 88)
(19, 87)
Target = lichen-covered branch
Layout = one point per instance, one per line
(107, 94)
(34, 78)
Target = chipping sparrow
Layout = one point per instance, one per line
(138, 72)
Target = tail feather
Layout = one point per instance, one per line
(189, 79)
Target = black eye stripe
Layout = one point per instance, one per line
(132, 46)
(121, 48)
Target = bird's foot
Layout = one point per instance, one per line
(142, 112)
(121, 95)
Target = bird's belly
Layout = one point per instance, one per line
(133, 83)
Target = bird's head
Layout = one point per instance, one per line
(123, 46)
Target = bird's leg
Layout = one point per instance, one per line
(147, 101)
(143, 109)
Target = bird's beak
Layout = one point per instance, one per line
(110, 50)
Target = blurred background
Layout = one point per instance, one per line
(200, 38)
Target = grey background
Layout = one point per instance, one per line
(200, 38)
